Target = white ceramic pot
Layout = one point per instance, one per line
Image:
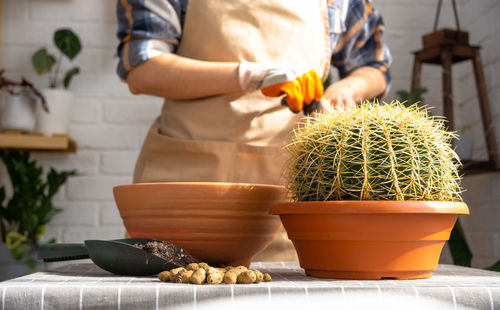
(60, 103)
(18, 112)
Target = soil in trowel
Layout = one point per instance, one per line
(168, 251)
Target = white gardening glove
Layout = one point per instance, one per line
(254, 75)
(301, 84)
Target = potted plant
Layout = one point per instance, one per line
(60, 101)
(25, 214)
(19, 100)
(375, 193)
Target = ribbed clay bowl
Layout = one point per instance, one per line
(218, 223)
(369, 239)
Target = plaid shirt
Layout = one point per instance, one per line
(153, 27)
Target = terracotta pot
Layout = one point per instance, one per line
(218, 223)
(369, 239)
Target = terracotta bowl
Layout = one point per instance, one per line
(369, 239)
(218, 223)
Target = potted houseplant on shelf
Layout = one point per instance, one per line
(375, 193)
(60, 101)
(19, 100)
(25, 214)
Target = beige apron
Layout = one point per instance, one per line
(236, 137)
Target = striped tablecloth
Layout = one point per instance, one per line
(85, 286)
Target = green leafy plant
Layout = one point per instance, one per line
(412, 97)
(68, 44)
(24, 216)
(373, 152)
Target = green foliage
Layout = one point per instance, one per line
(42, 61)
(31, 263)
(24, 216)
(410, 98)
(14, 239)
(373, 152)
(69, 75)
(68, 44)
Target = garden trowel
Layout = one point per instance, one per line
(116, 256)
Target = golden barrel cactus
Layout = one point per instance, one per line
(373, 152)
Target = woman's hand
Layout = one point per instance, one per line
(364, 83)
(341, 95)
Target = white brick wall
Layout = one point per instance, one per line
(482, 226)
(109, 123)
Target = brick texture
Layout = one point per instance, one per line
(109, 215)
(109, 123)
(482, 226)
(76, 213)
(94, 188)
(118, 162)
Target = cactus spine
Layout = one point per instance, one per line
(373, 152)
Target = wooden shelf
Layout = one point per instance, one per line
(37, 142)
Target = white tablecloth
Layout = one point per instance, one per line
(85, 286)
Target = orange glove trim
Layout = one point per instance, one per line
(302, 90)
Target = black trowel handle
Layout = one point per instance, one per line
(63, 251)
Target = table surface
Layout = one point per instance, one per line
(85, 286)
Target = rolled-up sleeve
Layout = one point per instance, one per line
(361, 43)
(146, 29)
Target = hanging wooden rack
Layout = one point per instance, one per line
(446, 47)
